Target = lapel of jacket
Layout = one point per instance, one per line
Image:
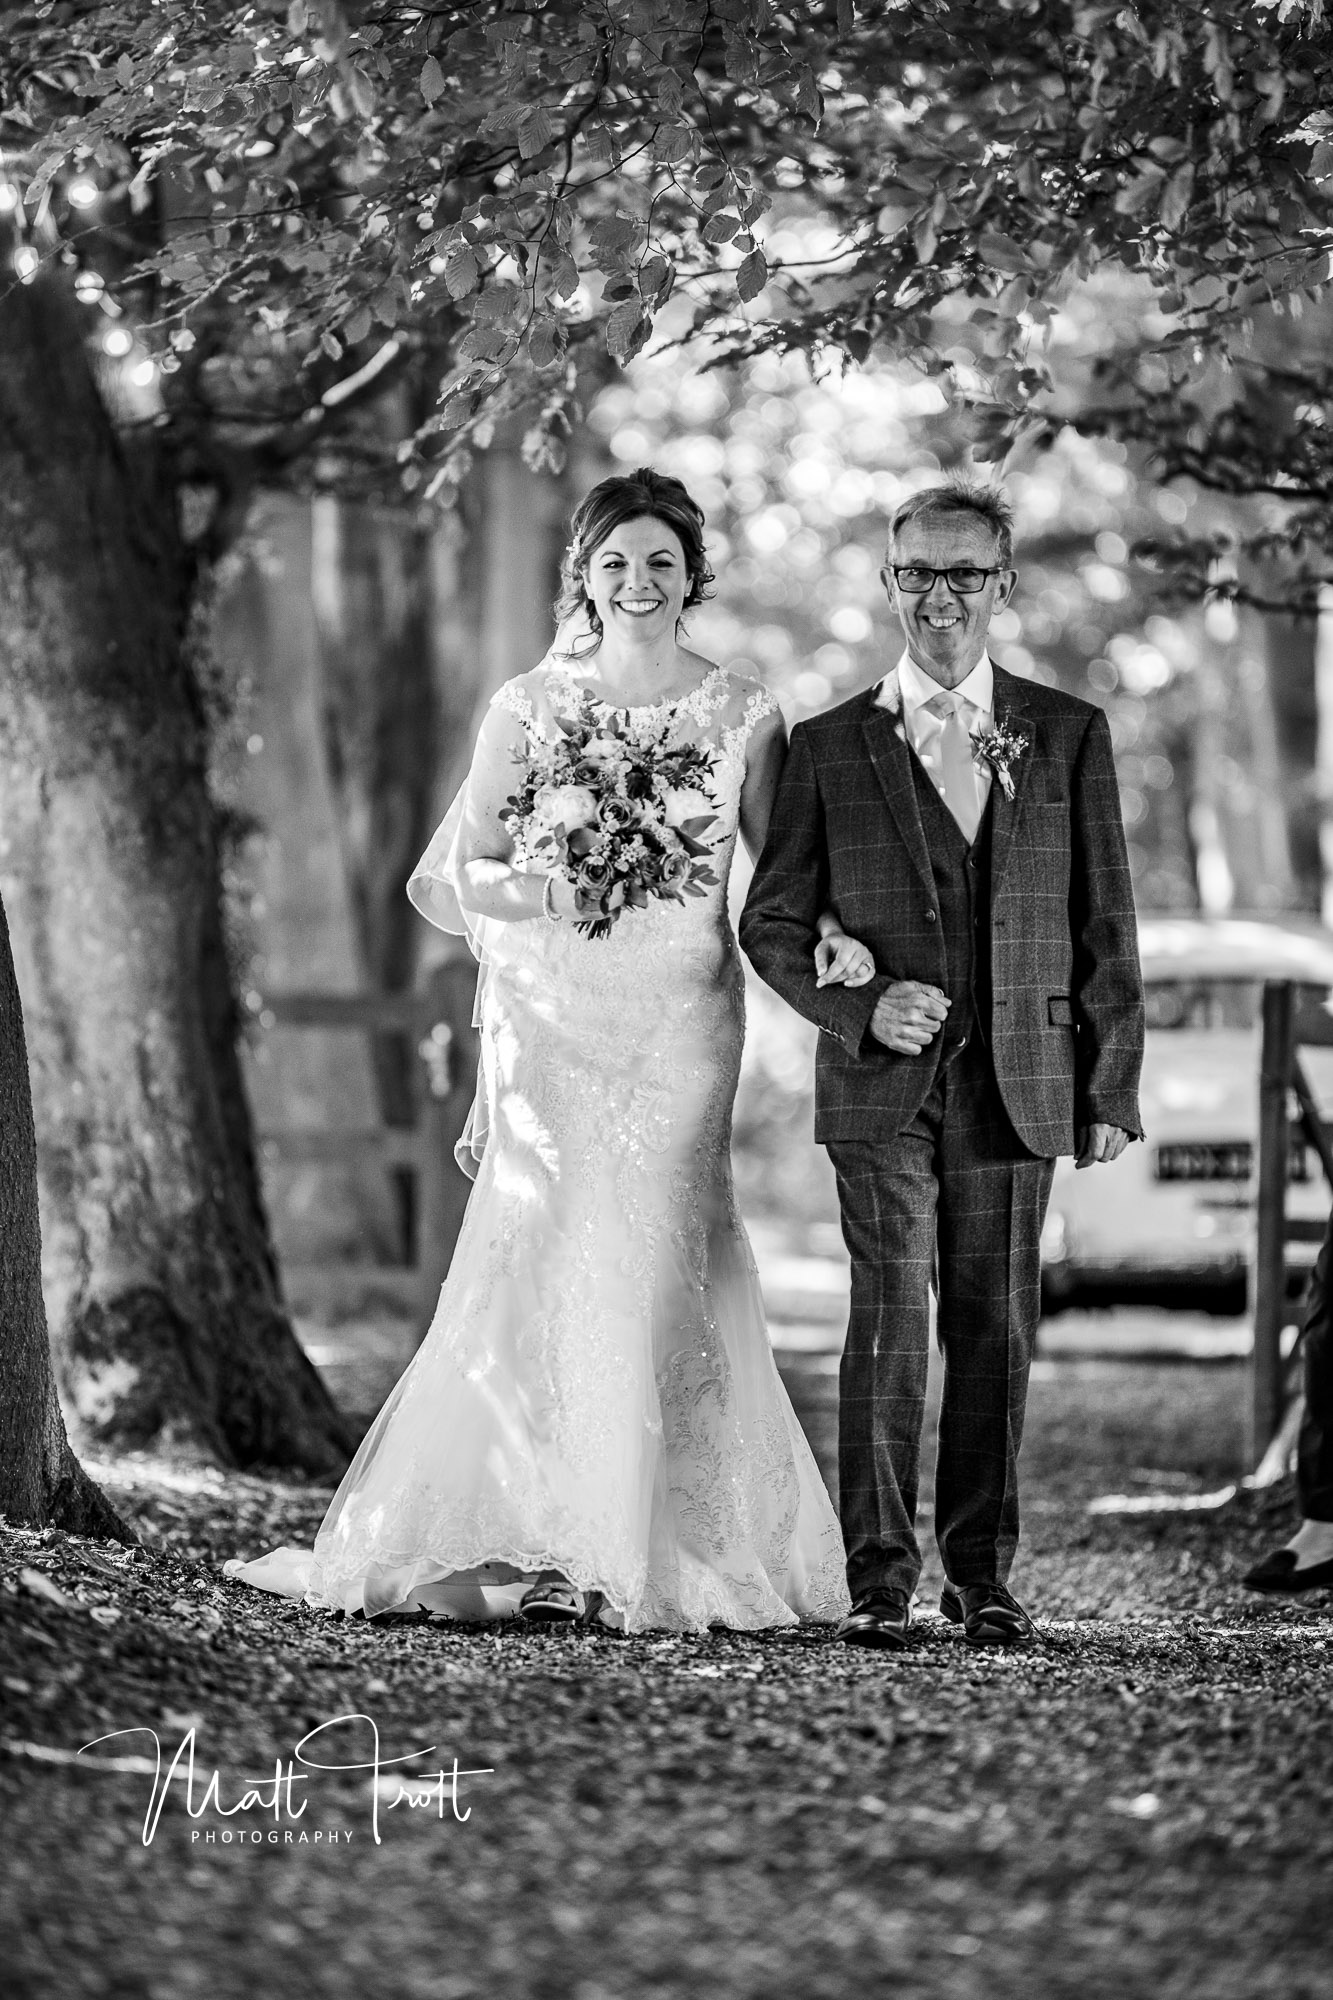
(1011, 712)
(886, 742)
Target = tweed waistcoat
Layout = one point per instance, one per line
(962, 887)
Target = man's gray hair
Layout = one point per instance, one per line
(959, 496)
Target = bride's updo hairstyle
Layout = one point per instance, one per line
(635, 496)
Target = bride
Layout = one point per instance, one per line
(594, 1427)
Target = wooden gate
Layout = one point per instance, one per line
(438, 1019)
(1294, 1017)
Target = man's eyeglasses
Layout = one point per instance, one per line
(962, 577)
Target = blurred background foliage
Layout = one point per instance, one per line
(798, 474)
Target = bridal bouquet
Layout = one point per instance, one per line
(616, 810)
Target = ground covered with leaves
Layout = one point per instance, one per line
(1143, 1804)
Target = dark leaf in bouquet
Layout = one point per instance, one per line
(580, 842)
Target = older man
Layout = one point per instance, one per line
(965, 825)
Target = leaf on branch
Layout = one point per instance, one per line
(808, 100)
(846, 16)
(991, 427)
(125, 73)
(482, 343)
(357, 328)
(331, 345)
(536, 132)
(500, 302)
(752, 276)
(623, 326)
(504, 118)
(431, 80)
(670, 93)
(460, 273)
(721, 228)
(655, 280)
(543, 343)
(1002, 253)
(673, 143)
(565, 277)
(614, 232)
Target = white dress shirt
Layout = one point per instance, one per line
(975, 696)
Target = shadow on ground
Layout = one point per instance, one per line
(1140, 1805)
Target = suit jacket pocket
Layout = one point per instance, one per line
(1059, 1011)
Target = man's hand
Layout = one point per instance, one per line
(1098, 1145)
(908, 1016)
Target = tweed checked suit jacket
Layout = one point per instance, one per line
(1066, 1031)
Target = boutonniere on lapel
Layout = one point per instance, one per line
(1001, 748)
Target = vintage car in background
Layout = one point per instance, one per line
(1173, 1220)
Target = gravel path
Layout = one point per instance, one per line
(1142, 1804)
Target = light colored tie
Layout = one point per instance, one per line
(957, 768)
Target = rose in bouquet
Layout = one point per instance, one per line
(618, 810)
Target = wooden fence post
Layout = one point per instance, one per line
(1270, 1272)
(447, 1048)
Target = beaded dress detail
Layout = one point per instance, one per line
(597, 1393)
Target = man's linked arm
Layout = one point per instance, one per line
(790, 890)
(1108, 982)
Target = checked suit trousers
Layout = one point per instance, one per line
(955, 1199)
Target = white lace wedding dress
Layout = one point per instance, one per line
(596, 1393)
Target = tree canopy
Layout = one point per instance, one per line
(298, 203)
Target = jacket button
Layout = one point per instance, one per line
(930, 916)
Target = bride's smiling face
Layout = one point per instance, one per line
(638, 580)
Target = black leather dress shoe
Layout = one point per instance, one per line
(988, 1614)
(880, 1618)
(1279, 1575)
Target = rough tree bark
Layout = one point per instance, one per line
(167, 1324)
(41, 1481)
(371, 577)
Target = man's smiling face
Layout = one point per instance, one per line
(946, 629)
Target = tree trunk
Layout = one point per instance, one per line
(42, 1484)
(167, 1324)
(370, 578)
(1212, 869)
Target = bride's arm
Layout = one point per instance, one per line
(489, 885)
(765, 754)
(839, 959)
